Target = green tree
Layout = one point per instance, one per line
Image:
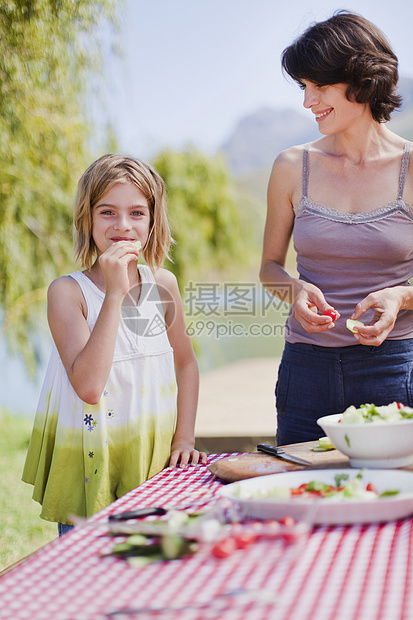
(209, 232)
(48, 49)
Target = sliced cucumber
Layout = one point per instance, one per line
(351, 324)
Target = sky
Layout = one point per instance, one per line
(191, 69)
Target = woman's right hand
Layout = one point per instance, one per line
(309, 305)
(114, 263)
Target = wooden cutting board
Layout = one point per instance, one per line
(253, 464)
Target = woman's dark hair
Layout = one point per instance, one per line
(347, 49)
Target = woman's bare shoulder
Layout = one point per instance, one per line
(286, 173)
(290, 157)
(288, 164)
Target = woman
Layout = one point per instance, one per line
(345, 199)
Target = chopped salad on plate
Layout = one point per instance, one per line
(343, 490)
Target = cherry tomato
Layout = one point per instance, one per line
(244, 539)
(299, 490)
(331, 313)
(272, 525)
(224, 548)
(371, 487)
(400, 405)
(288, 521)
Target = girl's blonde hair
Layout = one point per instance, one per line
(98, 179)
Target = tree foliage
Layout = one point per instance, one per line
(207, 227)
(47, 51)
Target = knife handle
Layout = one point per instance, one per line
(138, 514)
(263, 447)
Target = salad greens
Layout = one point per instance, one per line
(372, 414)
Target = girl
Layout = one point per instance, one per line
(346, 200)
(120, 394)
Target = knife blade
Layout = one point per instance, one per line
(279, 453)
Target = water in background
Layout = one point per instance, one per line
(220, 337)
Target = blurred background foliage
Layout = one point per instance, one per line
(50, 53)
(47, 50)
(210, 234)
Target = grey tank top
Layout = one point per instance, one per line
(349, 255)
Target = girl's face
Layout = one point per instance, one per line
(122, 214)
(333, 111)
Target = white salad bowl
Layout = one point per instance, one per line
(385, 445)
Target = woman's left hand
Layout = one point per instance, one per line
(183, 455)
(386, 304)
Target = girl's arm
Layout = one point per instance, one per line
(88, 356)
(284, 190)
(187, 375)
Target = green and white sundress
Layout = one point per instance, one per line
(82, 457)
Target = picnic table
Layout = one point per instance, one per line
(341, 572)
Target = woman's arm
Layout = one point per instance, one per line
(386, 302)
(187, 375)
(284, 190)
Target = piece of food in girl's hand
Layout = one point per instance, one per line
(333, 314)
(138, 245)
(351, 324)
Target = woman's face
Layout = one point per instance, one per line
(333, 111)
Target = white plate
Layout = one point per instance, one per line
(321, 511)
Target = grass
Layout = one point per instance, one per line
(21, 529)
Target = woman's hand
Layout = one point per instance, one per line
(386, 304)
(183, 454)
(309, 305)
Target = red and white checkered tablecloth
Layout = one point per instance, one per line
(339, 573)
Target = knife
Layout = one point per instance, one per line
(138, 514)
(279, 452)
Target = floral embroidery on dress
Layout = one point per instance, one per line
(110, 413)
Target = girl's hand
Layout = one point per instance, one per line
(386, 304)
(309, 305)
(115, 262)
(183, 454)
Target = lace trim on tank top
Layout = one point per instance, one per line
(381, 212)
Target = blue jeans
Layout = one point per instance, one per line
(62, 528)
(315, 381)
